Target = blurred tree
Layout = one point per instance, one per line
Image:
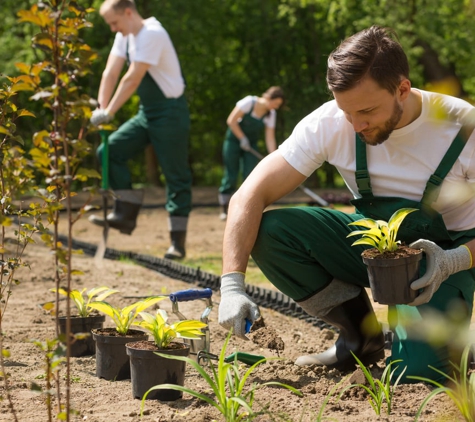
(232, 48)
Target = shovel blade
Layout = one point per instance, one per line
(102, 246)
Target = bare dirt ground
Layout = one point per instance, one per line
(97, 400)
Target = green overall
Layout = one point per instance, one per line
(301, 250)
(165, 123)
(234, 157)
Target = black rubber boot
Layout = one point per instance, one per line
(177, 248)
(123, 217)
(360, 332)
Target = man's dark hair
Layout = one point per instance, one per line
(373, 52)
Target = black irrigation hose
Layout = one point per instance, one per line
(266, 298)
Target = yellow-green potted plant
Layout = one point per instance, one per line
(148, 368)
(84, 320)
(112, 362)
(392, 266)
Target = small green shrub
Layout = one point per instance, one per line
(164, 333)
(83, 302)
(381, 235)
(461, 390)
(124, 317)
(378, 390)
(231, 398)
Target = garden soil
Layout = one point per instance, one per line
(98, 400)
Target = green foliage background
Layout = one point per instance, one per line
(232, 48)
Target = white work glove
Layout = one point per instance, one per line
(236, 306)
(244, 143)
(100, 116)
(441, 264)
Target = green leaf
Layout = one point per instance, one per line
(366, 241)
(103, 307)
(365, 222)
(88, 173)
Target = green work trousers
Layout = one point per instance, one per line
(168, 132)
(235, 159)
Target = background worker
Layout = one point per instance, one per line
(387, 140)
(162, 120)
(245, 126)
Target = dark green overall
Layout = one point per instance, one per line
(165, 123)
(301, 250)
(234, 157)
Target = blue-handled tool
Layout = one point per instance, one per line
(191, 294)
(247, 327)
(102, 246)
(202, 344)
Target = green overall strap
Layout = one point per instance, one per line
(361, 174)
(432, 190)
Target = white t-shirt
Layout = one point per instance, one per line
(152, 45)
(402, 165)
(245, 106)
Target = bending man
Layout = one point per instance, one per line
(162, 120)
(395, 146)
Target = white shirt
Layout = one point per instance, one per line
(402, 165)
(152, 45)
(245, 106)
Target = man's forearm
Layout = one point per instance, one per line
(240, 234)
(106, 90)
(124, 91)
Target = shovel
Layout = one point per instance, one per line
(312, 195)
(101, 247)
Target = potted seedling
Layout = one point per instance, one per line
(112, 362)
(148, 368)
(85, 320)
(392, 266)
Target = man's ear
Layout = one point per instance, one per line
(404, 89)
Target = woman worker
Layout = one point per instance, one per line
(245, 124)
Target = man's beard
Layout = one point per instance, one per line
(382, 134)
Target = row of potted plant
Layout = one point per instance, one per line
(123, 352)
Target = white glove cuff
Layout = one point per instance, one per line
(233, 282)
(462, 258)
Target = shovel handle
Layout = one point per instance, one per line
(190, 294)
(105, 160)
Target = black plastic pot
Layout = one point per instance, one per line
(390, 279)
(86, 346)
(112, 361)
(148, 369)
